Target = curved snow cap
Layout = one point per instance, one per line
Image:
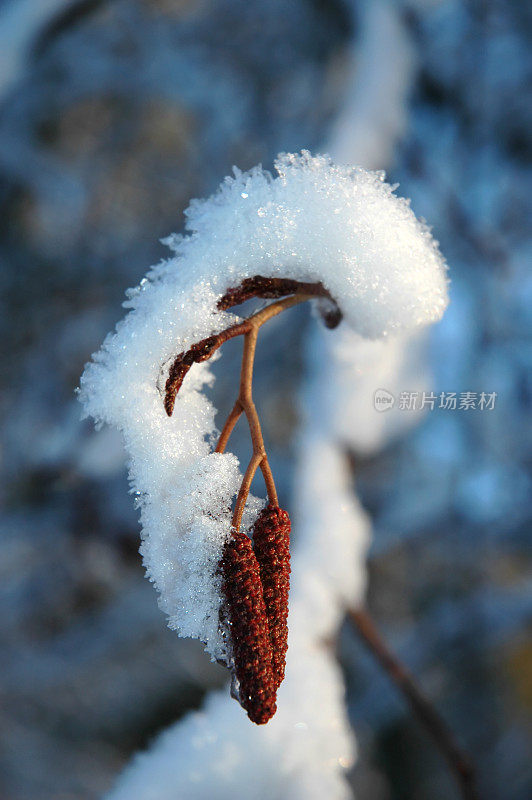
(320, 221)
(314, 222)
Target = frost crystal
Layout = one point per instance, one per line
(315, 221)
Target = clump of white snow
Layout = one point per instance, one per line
(314, 221)
(318, 221)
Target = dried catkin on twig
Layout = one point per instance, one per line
(252, 650)
(271, 544)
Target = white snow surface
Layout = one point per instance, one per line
(315, 221)
(320, 221)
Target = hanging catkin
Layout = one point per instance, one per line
(248, 622)
(271, 545)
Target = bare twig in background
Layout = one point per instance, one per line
(423, 709)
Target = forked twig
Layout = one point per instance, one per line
(244, 404)
(258, 286)
(201, 351)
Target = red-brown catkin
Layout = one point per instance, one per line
(252, 649)
(271, 544)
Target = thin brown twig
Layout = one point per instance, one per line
(244, 404)
(229, 424)
(423, 709)
(245, 486)
(204, 349)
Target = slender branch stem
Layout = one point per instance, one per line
(268, 480)
(203, 350)
(245, 399)
(244, 403)
(256, 458)
(273, 309)
(227, 429)
(423, 709)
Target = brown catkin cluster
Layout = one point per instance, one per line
(252, 649)
(271, 544)
(256, 582)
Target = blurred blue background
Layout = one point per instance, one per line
(113, 114)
